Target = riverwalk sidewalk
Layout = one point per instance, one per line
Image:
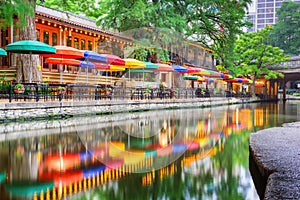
(275, 160)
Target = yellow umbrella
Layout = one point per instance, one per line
(131, 63)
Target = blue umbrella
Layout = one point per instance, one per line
(178, 68)
(94, 56)
(87, 65)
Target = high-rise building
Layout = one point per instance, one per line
(263, 13)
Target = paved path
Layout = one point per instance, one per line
(275, 162)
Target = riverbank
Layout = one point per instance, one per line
(274, 162)
(21, 111)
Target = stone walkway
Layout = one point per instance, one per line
(275, 162)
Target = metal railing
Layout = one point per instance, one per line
(68, 92)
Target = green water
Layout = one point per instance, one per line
(153, 153)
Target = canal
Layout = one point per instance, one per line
(169, 154)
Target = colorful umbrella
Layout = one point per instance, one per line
(87, 65)
(62, 61)
(30, 47)
(114, 60)
(3, 52)
(164, 68)
(65, 52)
(131, 63)
(94, 57)
(191, 70)
(180, 69)
(189, 77)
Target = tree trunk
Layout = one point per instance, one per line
(27, 70)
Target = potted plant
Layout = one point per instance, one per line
(61, 90)
(19, 88)
(107, 91)
(147, 90)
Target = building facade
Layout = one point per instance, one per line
(262, 13)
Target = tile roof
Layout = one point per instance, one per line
(68, 18)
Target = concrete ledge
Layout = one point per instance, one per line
(274, 162)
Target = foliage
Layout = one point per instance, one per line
(286, 31)
(19, 86)
(81, 7)
(213, 24)
(10, 9)
(60, 88)
(253, 56)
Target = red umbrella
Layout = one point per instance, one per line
(114, 60)
(65, 52)
(62, 61)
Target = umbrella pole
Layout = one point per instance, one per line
(60, 73)
(87, 75)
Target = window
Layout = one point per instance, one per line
(261, 10)
(82, 44)
(69, 41)
(90, 45)
(261, 6)
(38, 32)
(46, 37)
(54, 39)
(269, 15)
(261, 16)
(76, 43)
(260, 21)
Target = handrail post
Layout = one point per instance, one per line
(37, 97)
(10, 92)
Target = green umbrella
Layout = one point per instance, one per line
(3, 52)
(30, 47)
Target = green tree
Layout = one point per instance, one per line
(253, 56)
(81, 7)
(213, 24)
(286, 31)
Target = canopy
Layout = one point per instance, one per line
(164, 68)
(115, 68)
(178, 68)
(131, 63)
(30, 47)
(194, 78)
(191, 70)
(3, 52)
(62, 61)
(65, 52)
(86, 64)
(150, 65)
(114, 60)
(94, 56)
(141, 70)
(238, 80)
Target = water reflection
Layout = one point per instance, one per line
(188, 153)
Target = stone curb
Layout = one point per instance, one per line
(274, 162)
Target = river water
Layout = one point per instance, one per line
(169, 154)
